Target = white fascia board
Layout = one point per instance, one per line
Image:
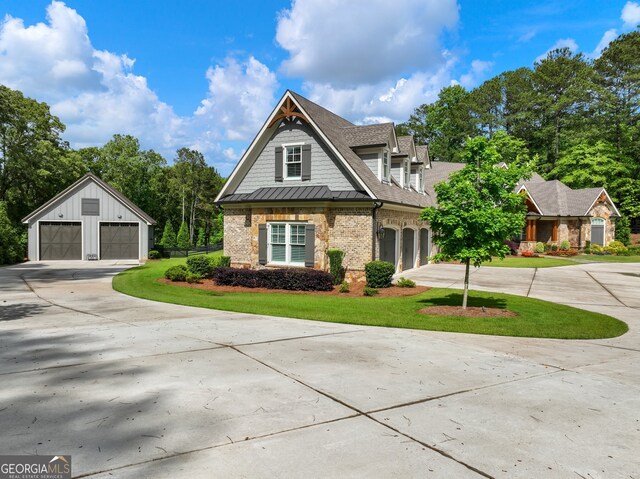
(531, 198)
(598, 196)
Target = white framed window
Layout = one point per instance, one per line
(286, 243)
(292, 161)
(420, 181)
(407, 173)
(386, 166)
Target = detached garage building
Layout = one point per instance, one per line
(89, 220)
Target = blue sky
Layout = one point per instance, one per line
(205, 74)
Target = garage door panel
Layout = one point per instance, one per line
(119, 240)
(60, 241)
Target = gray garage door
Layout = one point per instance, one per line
(408, 249)
(388, 246)
(119, 241)
(424, 246)
(60, 240)
(597, 231)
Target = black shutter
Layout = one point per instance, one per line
(306, 162)
(278, 163)
(262, 244)
(309, 245)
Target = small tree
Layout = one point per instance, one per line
(202, 239)
(168, 236)
(477, 208)
(182, 240)
(11, 247)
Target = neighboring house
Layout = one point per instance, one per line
(555, 212)
(311, 181)
(89, 220)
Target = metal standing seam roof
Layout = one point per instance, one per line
(90, 176)
(332, 126)
(295, 193)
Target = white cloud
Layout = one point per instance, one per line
(363, 41)
(96, 94)
(607, 38)
(631, 14)
(241, 96)
(476, 73)
(569, 43)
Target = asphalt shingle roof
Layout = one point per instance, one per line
(367, 135)
(554, 198)
(332, 126)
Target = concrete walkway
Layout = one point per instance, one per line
(132, 388)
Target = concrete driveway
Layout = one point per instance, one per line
(132, 388)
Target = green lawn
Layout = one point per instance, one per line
(536, 318)
(523, 262)
(608, 258)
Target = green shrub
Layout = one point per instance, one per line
(176, 273)
(547, 247)
(11, 241)
(192, 277)
(405, 283)
(379, 274)
(554, 247)
(565, 245)
(344, 287)
(634, 249)
(200, 265)
(616, 247)
(540, 247)
(623, 230)
(220, 261)
(154, 254)
(370, 291)
(596, 248)
(335, 264)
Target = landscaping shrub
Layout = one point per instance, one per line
(293, 279)
(615, 247)
(554, 247)
(192, 277)
(220, 261)
(596, 248)
(335, 264)
(154, 254)
(405, 283)
(379, 274)
(565, 245)
(587, 248)
(176, 273)
(200, 265)
(540, 247)
(370, 291)
(562, 252)
(634, 249)
(528, 254)
(344, 287)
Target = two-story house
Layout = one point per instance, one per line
(311, 181)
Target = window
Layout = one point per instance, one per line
(420, 179)
(407, 174)
(293, 162)
(287, 243)
(90, 207)
(386, 166)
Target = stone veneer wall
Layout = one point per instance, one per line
(401, 220)
(349, 229)
(604, 210)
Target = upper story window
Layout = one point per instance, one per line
(420, 181)
(386, 166)
(406, 167)
(293, 162)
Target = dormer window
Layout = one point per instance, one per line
(386, 166)
(420, 181)
(407, 174)
(293, 162)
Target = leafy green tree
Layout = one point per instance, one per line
(11, 246)
(168, 236)
(217, 227)
(477, 209)
(183, 241)
(486, 104)
(444, 125)
(202, 238)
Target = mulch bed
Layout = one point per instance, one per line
(472, 312)
(355, 289)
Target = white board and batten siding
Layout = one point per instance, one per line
(325, 167)
(69, 208)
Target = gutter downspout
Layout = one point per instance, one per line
(376, 206)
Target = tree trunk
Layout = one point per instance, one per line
(466, 285)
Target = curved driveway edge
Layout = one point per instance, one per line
(133, 388)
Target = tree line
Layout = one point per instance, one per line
(36, 164)
(579, 119)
